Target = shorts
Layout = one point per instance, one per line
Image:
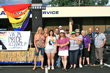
(80, 52)
(63, 53)
(86, 52)
(99, 53)
(50, 51)
(37, 53)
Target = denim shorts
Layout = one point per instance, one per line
(37, 53)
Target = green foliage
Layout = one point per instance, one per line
(60, 2)
(76, 2)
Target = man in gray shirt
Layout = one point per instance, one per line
(100, 40)
(56, 33)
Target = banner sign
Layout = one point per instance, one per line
(14, 40)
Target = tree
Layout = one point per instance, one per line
(93, 2)
(60, 2)
(76, 2)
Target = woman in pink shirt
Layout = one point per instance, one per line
(63, 42)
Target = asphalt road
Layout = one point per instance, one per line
(89, 69)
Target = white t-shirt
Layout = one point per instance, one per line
(50, 43)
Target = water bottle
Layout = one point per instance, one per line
(46, 69)
(106, 65)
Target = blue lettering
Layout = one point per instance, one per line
(3, 13)
(47, 12)
(57, 12)
(50, 12)
(18, 13)
(53, 12)
(44, 12)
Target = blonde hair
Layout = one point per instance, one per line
(39, 29)
(45, 29)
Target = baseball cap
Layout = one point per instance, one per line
(62, 31)
(77, 30)
(60, 26)
(73, 32)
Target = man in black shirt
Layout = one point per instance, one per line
(91, 35)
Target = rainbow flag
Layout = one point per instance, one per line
(53, 41)
(3, 38)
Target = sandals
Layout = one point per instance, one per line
(63, 69)
(71, 67)
(66, 70)
(42, 67)
(34, 68)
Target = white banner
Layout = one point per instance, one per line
(86, 11)
(14, 40)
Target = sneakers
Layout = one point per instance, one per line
(58, 66)
(52, 67)
(48, 67)
(101, 66)
(80, 66)
(94, 65)
(87, 65)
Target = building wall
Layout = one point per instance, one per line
(52, 23)
(102, 23)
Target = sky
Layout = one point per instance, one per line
(45, 2)
(108, 3)
(8, 2)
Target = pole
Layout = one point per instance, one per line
(36, 16)
(79, 2)
(70, 25)
(46, 69)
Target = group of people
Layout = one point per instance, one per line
(59, 45)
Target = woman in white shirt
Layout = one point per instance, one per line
(51, 48)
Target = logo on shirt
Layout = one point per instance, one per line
(51, 42)
(84, 38)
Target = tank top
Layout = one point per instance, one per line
(40, 42)
(50, 43)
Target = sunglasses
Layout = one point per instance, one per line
(96, 30)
